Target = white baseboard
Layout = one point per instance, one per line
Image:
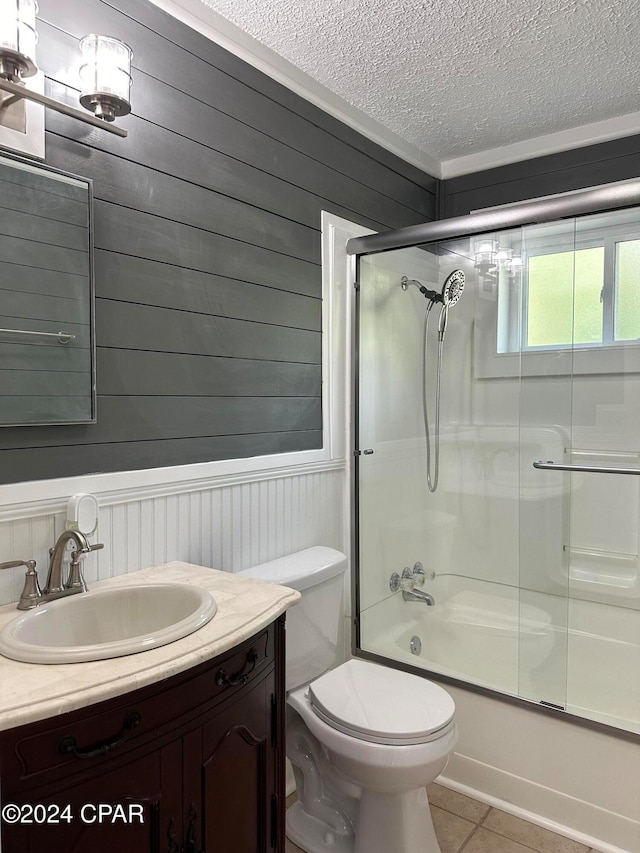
(575, 819)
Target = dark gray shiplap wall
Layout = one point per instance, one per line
(604, 163)
(207, 248)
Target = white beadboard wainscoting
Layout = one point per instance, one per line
(226, 523)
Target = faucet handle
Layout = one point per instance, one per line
(80, 553)
(31, 593)
(407, 581)
(419, 574)
(15, 564)
(75, 579)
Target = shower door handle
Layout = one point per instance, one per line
(589, 469)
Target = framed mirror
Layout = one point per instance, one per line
(47, 341)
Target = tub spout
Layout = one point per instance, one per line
(418, 595)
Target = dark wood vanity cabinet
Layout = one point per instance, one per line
(193, 764)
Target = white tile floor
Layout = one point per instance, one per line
(464, 825)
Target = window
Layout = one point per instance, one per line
(584, 297)
(627, 291)
(570, 304)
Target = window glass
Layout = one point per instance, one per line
(627, 315)
(564, 304)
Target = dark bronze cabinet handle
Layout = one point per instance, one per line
(69, 745)
(174, 847)
(222, 679)
(191, 832)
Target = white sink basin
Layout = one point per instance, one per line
(107, 623)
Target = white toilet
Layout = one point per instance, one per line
(364, 739)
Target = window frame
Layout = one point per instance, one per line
(608, 356)
(609, 292)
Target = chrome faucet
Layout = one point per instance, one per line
(418, 595)
(75, 582)
(410, 579)
(55, 588)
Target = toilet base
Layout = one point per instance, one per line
(398, 822)
(386, 822)
(313, 835)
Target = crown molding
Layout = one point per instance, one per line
(198, 16)
(540, 146)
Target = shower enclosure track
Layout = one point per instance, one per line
(613, 197)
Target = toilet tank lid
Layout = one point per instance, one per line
(301, 569)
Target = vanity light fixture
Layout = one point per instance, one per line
(486, 252)
(105, 76)
(490, 257)
(18, 39)
(105, 73)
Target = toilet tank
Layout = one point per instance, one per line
(313, 624)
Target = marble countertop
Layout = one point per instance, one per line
(30, 692)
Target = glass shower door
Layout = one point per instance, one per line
(556, 282)
(517, 578)
(603, 559)
(393, 520)
(454, 542)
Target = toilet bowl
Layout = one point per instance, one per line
(364, 739)
(378, 737)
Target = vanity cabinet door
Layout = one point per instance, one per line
(202, 768)
(239, 774)
(134, 807)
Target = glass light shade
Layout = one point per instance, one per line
(18, 39)
(105, 76)
(486, 251)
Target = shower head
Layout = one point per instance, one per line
(451, 292)
(452, 288)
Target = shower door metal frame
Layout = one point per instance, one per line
(570, 205)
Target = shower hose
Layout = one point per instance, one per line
(432, 477)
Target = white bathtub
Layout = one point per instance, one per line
(482, 634)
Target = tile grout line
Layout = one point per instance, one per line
(469, 837)
(481, 825)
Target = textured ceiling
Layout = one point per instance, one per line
(457, 77)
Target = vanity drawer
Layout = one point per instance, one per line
(87, 737)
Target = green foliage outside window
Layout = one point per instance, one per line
(564, 298)
(627, 311)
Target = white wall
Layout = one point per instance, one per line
(227, 525)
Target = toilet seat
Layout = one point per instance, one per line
(377, 704)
